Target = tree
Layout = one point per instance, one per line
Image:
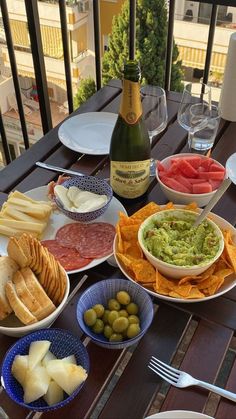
(151, 35)
(86, 89)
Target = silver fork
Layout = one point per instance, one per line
(182, 379)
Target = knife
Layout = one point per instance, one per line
(58, 169)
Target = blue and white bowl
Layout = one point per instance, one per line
(91, 184)
(100, 293)
(63, 344)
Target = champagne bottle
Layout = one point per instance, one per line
(130, 144)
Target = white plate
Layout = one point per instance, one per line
(88, 133)
(229, 282)
(179, 414)
(58, 220)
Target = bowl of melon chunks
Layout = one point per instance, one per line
(45, 370)
(186, 178)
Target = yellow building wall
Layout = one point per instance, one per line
(108, 9)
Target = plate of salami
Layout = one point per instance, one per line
(77, 246)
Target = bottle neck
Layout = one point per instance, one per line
(131, 107)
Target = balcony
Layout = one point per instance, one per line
(37, 67)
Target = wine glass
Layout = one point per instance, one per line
(195, 109)
(155, 114)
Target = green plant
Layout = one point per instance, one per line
(151, 35)
(86, 89)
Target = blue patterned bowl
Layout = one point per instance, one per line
(100, 293)
(91, 184)
(63, 344)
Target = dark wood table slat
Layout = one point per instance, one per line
(202, 360)
(227, 408)
(137, 378)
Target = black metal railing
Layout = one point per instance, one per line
(33, 21)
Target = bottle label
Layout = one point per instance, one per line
(131, 108)
(130, 179)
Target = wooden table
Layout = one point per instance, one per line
(131, 394)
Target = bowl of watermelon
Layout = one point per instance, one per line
(186, 178)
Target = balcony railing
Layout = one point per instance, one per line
(33, 22)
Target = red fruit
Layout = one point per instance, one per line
(184, 181)
(215, 184)
(202, 188)
(160, 167)
(212, 175)
(214, 167)
(176, 186)
(206, 162)
(187, 169)
(195, 180)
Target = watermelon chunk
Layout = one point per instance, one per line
(216, 168)
(184, 181)
(212, 175)
(202, 187)
(215, 184)
(206, 163)
(195, 180)
(187, 169)
(160, 167)
(173, 184)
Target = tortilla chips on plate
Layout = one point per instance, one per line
(143, 272)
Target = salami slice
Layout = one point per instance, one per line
(96, 240)
(69, 234)
(70, 259)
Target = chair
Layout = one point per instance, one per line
(13, 104)
(31, 103)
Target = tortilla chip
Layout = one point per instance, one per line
(130, 232)
(143, 271)
(120, 246)
(146, 211)
(191, 207)
(133, 249)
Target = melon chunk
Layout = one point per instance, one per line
(54, 394)
(67, 376)
(37, 351)
(48, 357)
(36, 384)
(70, 359)
(19, 368)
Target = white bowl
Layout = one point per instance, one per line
(11, 326)
(168, 269)
(181, 197)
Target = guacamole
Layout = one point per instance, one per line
(175, 241)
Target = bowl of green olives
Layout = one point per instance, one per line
(115, 313)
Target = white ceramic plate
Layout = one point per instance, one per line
(88, 133)
(229, 282)
(179, 414)
(58, 220)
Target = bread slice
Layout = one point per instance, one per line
(25, 295)
(7, 268)
(35, 288)
(20, 310)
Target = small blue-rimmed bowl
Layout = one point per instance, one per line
(91, 184)
(100, 293)
(63, 344)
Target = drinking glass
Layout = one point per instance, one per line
(155, 114)
(203, 139)
(194, 109)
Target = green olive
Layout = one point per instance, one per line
(120, 324)
(113, 315)
(133, 330)
(123, 297)
(123, 313)
(132, 308)
(90, 317)
(133, 319)
(99, 310)
(116, 337)
(113, 304)
(98, 326)
(105, 316)
(108, 331)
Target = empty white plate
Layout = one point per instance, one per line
(88, 133)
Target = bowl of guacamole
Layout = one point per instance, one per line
(176, 248)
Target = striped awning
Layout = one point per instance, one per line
(51, 38)
(195, 58)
